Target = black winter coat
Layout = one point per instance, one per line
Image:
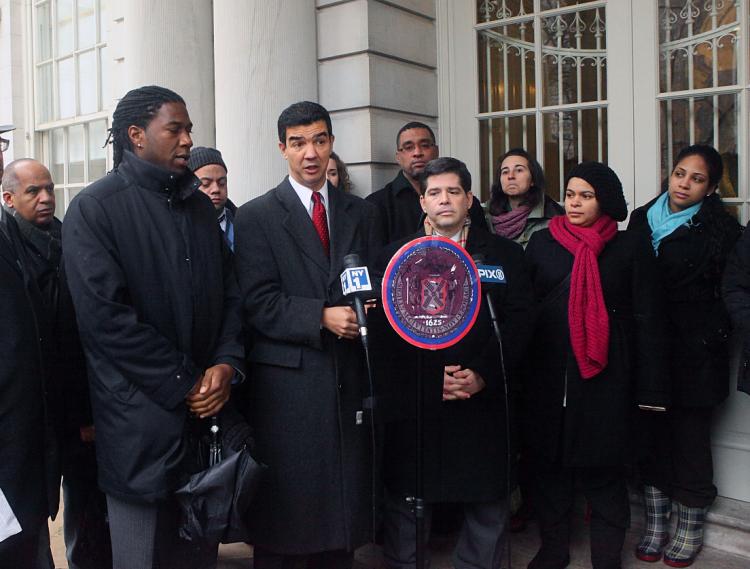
(157, 303)
(587, 423)
(737, 300)
(306, 387)
(691, 262)
(465, 452)
(29, 470)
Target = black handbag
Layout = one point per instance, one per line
(215, 499)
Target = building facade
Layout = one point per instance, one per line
(625, 81)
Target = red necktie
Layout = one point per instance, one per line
(320, 221)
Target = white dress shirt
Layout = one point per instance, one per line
(305, 196)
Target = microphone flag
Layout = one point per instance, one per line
(431, 293)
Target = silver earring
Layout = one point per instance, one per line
(140, 146)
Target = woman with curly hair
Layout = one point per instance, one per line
(518, 206)
(692, 235)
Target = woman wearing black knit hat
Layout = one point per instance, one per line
(597, 313)
(692, 235)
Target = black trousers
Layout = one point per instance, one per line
(339, 559)
(605, 489)
(675, 454)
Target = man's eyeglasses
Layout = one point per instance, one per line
(424, 145)
(4, 144)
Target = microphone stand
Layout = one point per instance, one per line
(417, 501)
(499, 338)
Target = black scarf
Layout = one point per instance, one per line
(45, 253)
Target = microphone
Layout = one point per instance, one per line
(355, 283)
(490, 275)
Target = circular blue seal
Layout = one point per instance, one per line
(431, 292)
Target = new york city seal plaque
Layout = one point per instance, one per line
(431, 292)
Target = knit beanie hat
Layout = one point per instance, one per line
(202, 156)
(607, 186)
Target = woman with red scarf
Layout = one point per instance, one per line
(598, 328)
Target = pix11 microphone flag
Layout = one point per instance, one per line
(431, 292)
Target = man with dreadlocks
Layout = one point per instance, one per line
(159, 316)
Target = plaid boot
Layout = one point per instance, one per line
(658, 507)
(688, 538)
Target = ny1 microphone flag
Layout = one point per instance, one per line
(431, 293)
(355, 279)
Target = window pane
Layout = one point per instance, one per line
(57, 154)
(489, 10)
(76, 153)
(572, 137)
(698, 45)
(66, 88)
(44, 93)
(64, 27)
(104, 64)
(553, 4)
(43, 32)
(103, 24)
(97, 152)
(497, 136)
(87, 82)
(574, 57)
(59, 202)
(506, 68)
(86, 23)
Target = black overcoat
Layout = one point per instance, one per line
(29, 472)
(157, 303)
(737, 300)
(587, 423)
(465, 450)
(306, 387)
(690, 269)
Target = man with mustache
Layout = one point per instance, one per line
(28, 499)
(29, 196)
(208, 165)
(398, 201)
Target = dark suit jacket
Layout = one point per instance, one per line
(305, 385)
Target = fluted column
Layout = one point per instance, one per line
(170, 43)
(265, 59)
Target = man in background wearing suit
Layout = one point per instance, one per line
(307, 370)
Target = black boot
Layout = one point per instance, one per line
(606, 544)
(554, 553)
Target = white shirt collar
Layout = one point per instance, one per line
(305, 196)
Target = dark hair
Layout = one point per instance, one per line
(345, 182)
(710, 156)
(300, 114)
(412, 125)
(137, 108)
(445, 165)
(498, 199)
(718, 222)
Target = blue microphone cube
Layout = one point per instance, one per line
(491, 274)
(355, 279)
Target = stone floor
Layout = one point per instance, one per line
(523, 548)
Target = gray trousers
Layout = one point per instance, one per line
(146, 536)
(480, 544)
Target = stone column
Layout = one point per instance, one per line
(265, 58)
(170, 43)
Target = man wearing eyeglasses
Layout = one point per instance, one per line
(398, 201)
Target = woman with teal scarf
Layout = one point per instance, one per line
(691, 234)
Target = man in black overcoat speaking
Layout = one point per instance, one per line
(157, 306)
(463, 391)
(306, 368)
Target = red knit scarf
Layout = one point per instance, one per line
(587, 314)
